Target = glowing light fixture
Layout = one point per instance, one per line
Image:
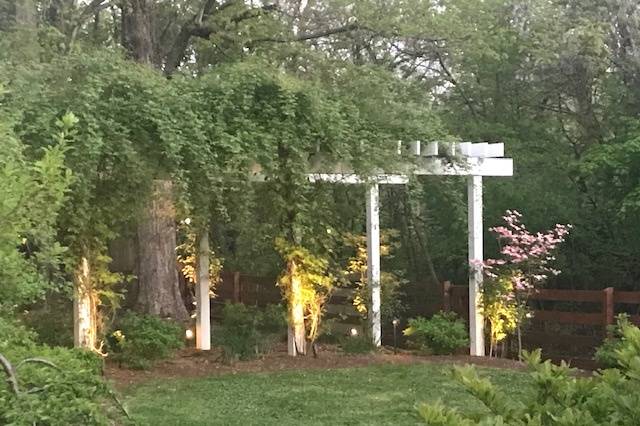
(353, 332)
(395, 323)
(188, 333)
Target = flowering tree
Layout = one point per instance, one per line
(524, 266)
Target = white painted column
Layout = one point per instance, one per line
(203, 305)
(476, 321)
(373, 261)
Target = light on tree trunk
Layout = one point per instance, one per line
(188, 334)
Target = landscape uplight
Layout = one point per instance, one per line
(395, 323)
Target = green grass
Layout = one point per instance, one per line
(379, 395)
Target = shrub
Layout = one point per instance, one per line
(51, 320)
(247, 331)
(56, 386)
(140, 340)
(443, 334)
(606, 353)
(357, 344)
(559, 397)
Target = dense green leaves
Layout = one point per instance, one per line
(58, 386)
(31, 195)
(560, 397)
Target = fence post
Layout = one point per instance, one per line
(446, 296)
(236, 287)
(607, 307)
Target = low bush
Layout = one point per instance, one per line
(51, 386)
(52, 320)
(140, 340)
(248, 331)
(359, 344)
(443, 334)
(560, 396)
(606, 353)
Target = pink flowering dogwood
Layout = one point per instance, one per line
(524, 266)
(524, 252)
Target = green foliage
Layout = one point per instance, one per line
(390, 282)
(314, 285)
(186, 252)
(561, 396)
(140, 340)
(360, 344)
(57, 387)
(32, 193)
(51, 319)
(606, 354)
(499, 307)
(442, 334)
(248, 331)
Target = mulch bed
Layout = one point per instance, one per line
(192, 363)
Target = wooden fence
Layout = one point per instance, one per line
(236, 287)
(243, 288)
(571, 322)
(565, 323)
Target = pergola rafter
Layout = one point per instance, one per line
(473, 160)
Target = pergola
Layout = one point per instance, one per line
(474, 160)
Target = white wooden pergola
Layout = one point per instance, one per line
(474, 160)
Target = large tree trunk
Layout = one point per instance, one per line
(296, 338)
(17, 14)
(85, 315)
(136, 30)
(158, 292)
(158, 284)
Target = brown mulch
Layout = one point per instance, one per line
(192, 363)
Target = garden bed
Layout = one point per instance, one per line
(192, 363)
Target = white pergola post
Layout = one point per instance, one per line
(476, 322)
(373, 261)
(203, 305)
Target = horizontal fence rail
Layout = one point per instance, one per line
(456, 298)
(564, 310)
(236, 287)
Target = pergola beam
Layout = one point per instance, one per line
(346, 178)
(465, 166)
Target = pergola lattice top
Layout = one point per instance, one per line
(434, 158)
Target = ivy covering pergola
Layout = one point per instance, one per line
(474, 160)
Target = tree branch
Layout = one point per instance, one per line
(88, 11)
(453, 81)
(196, 28)
(310, 36)
(11, 375)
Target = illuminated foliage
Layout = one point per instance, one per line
(390, 282)
(509, 280)
(315, 282)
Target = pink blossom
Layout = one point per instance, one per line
(525, 256)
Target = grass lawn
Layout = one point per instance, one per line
(378, 395)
